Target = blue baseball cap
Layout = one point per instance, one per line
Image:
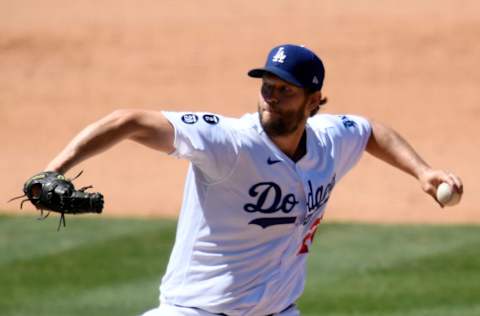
(295, 64)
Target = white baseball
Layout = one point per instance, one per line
(447, 195)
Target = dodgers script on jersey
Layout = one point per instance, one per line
(249, 212)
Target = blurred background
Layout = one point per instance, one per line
(413, 65)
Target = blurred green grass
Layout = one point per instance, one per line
(105, 266)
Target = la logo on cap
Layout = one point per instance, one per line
(279, 56)
(315, 80)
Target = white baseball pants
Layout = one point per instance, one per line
(169, 310)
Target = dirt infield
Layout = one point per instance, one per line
(413, 65)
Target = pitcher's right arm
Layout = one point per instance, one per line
(149, 128)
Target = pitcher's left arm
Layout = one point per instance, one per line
(387, 145)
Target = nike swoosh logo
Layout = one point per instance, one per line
(271, 161)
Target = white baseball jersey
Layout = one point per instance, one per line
(249, 212)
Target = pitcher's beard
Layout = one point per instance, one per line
(284, 124)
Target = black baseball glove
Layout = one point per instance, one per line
(51, 191)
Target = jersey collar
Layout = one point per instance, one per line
(305, 160)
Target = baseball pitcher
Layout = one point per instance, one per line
(257, 186)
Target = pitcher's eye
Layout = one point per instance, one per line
(266, 88)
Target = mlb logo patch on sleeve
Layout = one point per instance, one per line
(347, 122)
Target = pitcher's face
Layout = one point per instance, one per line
(282, 107)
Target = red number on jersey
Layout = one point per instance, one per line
(308, 239)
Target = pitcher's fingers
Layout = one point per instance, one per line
(431, 190)
(457, 182)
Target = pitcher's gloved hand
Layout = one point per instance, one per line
(51, 191)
